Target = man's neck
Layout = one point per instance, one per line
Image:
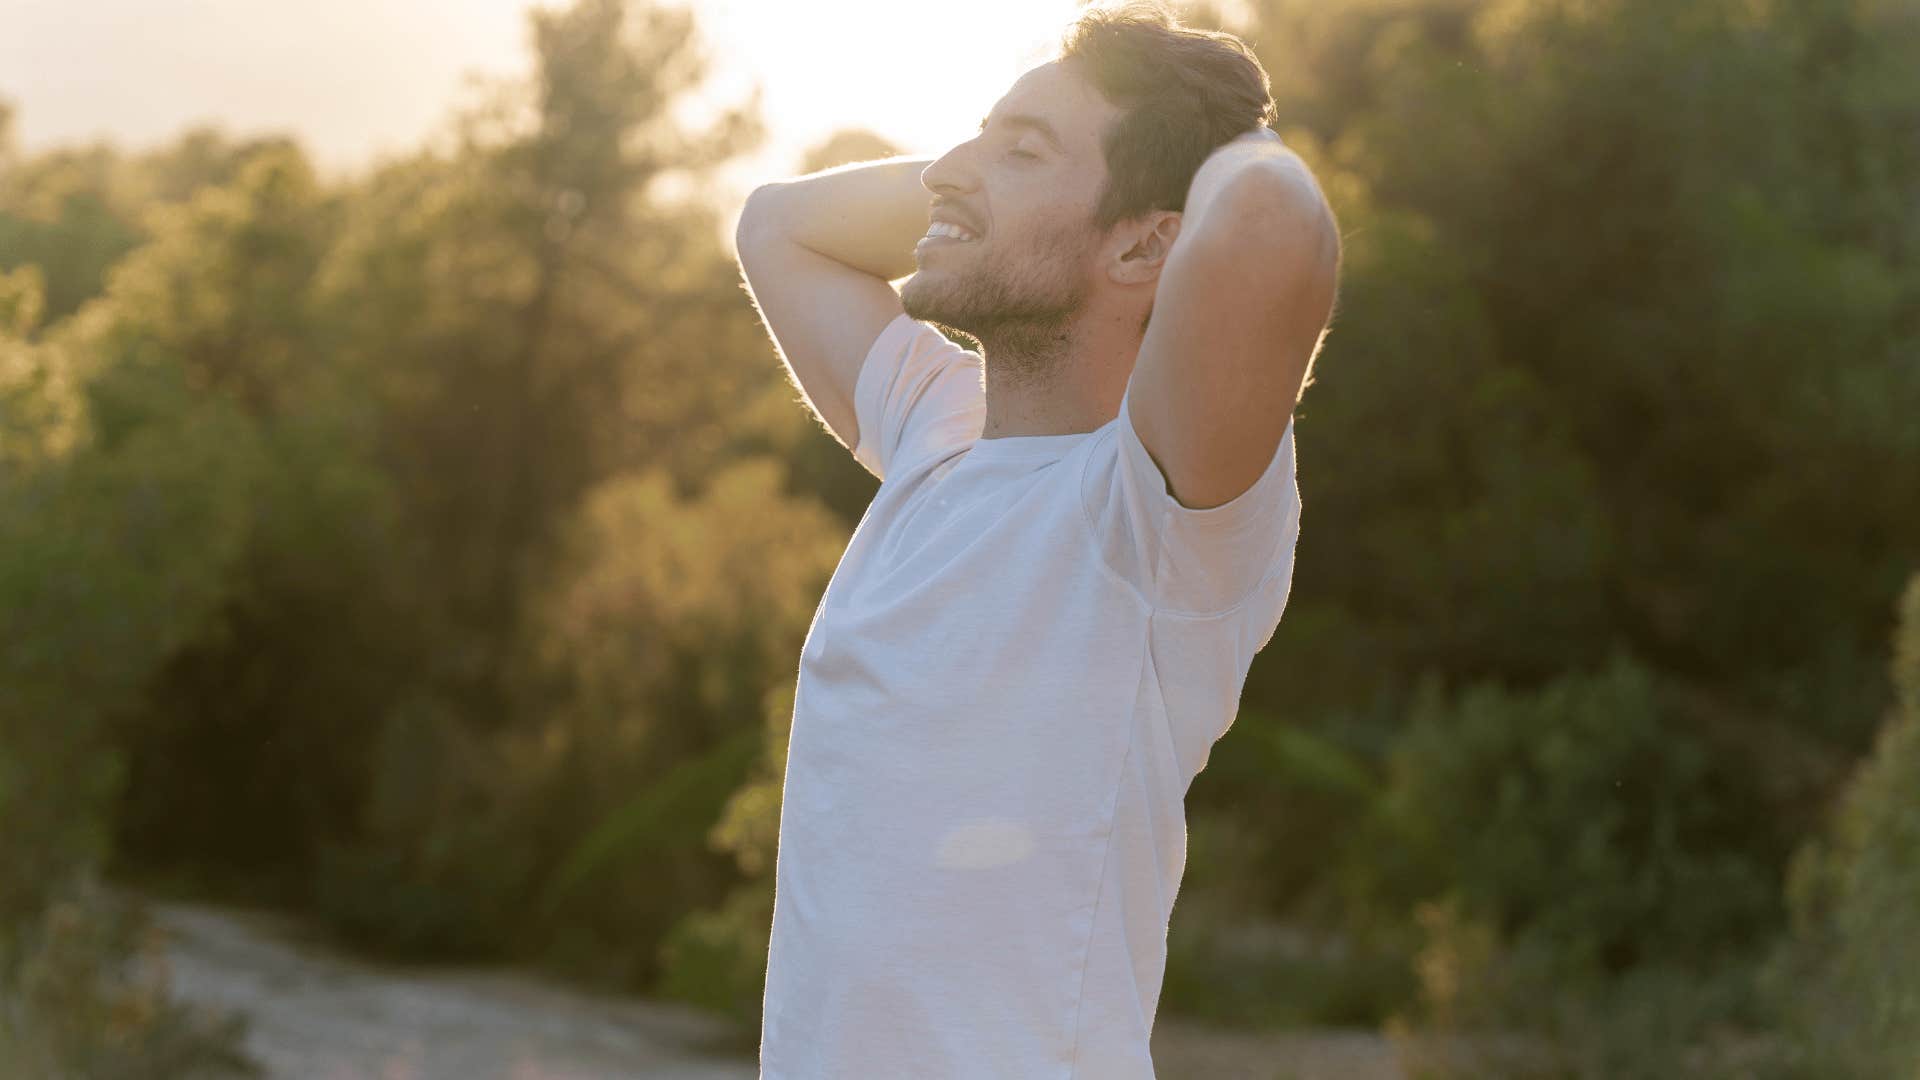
(1059, 381)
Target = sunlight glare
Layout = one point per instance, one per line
(920, 75)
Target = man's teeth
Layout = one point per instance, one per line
(941, 228)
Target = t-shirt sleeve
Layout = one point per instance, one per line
(1183, 560)
(918, 395)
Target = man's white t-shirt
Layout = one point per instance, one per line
(1022, 661)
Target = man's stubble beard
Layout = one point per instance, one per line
(1021, 320)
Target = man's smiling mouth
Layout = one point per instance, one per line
(941, 230)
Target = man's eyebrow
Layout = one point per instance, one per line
(1028, 120)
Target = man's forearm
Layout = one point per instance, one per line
(868, 216)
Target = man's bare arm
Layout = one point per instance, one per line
(819, 253)
(1243, 305)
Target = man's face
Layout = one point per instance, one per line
(1025, 188)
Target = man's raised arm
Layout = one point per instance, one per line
(818, 253)
(1244, 301)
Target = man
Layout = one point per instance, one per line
(1083, 533)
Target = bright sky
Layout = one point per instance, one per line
(358, 78)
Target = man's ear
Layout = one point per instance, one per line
(1141, 262)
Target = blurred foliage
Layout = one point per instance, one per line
(431, 548)
(1628, 286)
(118, 547)
(1490, 1006)
(89, 998)
(1850, 975)
(1589, 891)
(1584, 814)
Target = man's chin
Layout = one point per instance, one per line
(937, 318)
(920, 306)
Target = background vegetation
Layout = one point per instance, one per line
(429, 550)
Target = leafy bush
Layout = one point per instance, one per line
(584, 837)
(86, 997)
(717, 959)
(1266, 975)
(1582, 815)
(441, 865)
(1851, 976)
(1582, 894)
(1522, 1010)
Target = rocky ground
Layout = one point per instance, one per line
(317, 1013)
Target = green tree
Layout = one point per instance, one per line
(539, 322)
(1627, 290)
(114, 554)
(564, 365)
(249, 747)
(75, 211)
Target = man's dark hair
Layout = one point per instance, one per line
(1182, 93)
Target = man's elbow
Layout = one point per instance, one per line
(758, 215)
(1273, 199)
(1276, 225)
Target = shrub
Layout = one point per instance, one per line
(582, 836)
(718, 959)
(87, 997)
(1581, 815)
(1850, 978)
(1584, 905)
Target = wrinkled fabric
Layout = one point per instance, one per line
(1022, 661)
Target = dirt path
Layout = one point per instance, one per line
(318, 1014)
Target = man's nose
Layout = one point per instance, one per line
(950, 172)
